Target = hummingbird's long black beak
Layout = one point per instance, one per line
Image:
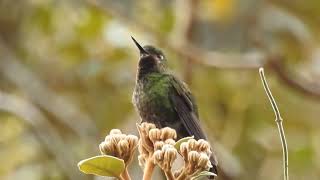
(142, 51)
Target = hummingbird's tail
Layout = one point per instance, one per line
(214, 168)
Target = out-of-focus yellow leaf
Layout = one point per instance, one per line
(102, 165)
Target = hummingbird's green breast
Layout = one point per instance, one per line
(151, 98)
(157, 89)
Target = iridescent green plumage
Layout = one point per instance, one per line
(155, 97)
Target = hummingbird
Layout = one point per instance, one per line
(162, 99)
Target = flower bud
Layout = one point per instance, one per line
(142, 160)
(166, 147)
(158, 145)
(115, 138)
(184, 150)
(170, 141)
(192, 144)
(133, 141)
(203, 162)
(170, 155)
(146, 127)
(115, 131)
(204, 146)
(123, 147)
(168, 133)
(165, 157)
(154, 135)
(107, 148)
(119, 145)
(158, 156)
(193, 156)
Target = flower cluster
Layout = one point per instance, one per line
(153, 139)
(119, 145)
(157, 147)
(196, 158)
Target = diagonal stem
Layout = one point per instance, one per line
(148, 169)
(125, 174)
(279, 124)
(169, 175)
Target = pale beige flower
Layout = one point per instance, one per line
(156, 147)
(119, 145)
(196, 158)
(165, 157)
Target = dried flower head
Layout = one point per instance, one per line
(152, 143)
(144, 154)
(194, 145)
(119, 145)
(168, 133)
(196, 157)
(155, 135)
(144, 129)
(165, 157)
(156, 146)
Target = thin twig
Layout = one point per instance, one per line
(279, 123)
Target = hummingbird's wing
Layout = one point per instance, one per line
(186, 108)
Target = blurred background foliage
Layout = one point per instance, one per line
(67, 72)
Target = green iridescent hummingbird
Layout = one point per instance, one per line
(162, 99)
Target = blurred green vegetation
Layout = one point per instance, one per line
(67, 72)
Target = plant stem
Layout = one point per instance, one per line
(148, 169)
(125, 175)
(119, 177)
(169, 175)
(182, 176)
(279, 124)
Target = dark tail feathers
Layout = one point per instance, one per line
(214, 168)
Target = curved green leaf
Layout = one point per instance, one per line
(203, 173)
(102, 165)
(178, 143)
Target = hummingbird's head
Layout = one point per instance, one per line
(151, 59)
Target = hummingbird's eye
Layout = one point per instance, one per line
(160, 57)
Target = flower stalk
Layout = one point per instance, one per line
(278, 120)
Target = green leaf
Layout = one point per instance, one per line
(178, 143)
(102, 165)
(203, 173)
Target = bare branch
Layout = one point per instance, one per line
(191, 11)
(296, 83)
(249, 60)
(279, 124)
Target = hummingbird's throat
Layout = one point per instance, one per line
(147, 64)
